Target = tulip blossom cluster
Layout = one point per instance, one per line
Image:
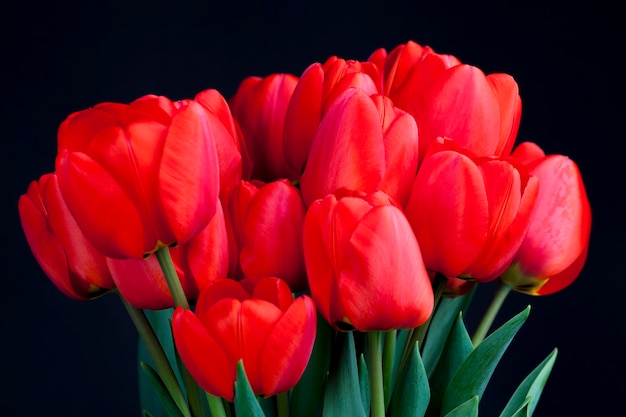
(353, 190)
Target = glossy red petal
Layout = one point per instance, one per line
(289, 346)
(348, 150)
(203, 356)
(527, 152)
(275, 291)
(507, 93)
(448, 211)
(189, 173)
(383, 281)
(104, 211)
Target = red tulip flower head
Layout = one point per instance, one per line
(470, 214)
(139, 176)
(364, 264)
(256, 321)
(363, 143)
(73, 265)
(554, 250)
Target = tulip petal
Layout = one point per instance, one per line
(289, 346)
(203, 355)
(105, 212)
(383, 244)
(189, 173)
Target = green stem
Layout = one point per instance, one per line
(490, 314)
(162, 364)
(193, 391)
(389, 351)
(282, 401)
(376, 374)
(171, 277)
(419, 334)
(216, 406)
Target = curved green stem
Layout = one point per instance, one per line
(216, 406)
(490, 314)
(282, 402)
(389, 351)
(376, 374)
(173, 282)
(162, 364)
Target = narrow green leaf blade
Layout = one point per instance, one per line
(364, 382)
(467, 409)
(246, 404)
(168, 403)
(457, 348)
(342, 395)
(529, 391)
(522, 412)
(412, 395)
(473, 375)
(306, 397)
(441, 325)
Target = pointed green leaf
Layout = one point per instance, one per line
(306, 396)
(457, 348)
(412, 394)
(523, 411)
(472, 377)
(467, 409)
(148, 398)
(443, 319)
(342, 396)
(528, 393)
(364, 382)
(146, 413)
(167, 401)
(246, 404)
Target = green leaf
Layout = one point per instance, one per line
(146, 413)
(529, 391)
(443, 319)
(342, 396)
(306, 397)
(467, 409)
(246, 404)
(523, 412)
(412, 394)
(364, 382)
(473, 375)
(457, 348)
(168, 403)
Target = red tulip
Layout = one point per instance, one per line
(198, 263)
(364, 264)
(259, 106)
(73, 265)
(470, 214)
(141, 176)
(453, 100)
(316, 90)
(363, 143)
(258, 322)
(268, 225)
(554, 250)
(228, 140)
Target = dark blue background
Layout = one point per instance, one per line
(65, 358)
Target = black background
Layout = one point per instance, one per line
(65, 358)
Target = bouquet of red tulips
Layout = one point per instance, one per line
(308, 246)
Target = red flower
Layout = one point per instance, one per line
(449, 99)
(316, 90)
(470, 214)
(198, 263)
(259, 106)
(267, 224)
(363, 143)
(256, 321)
(139, 176)
(364, 264)
(555, 248)
(76, 268)
(228, 140)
